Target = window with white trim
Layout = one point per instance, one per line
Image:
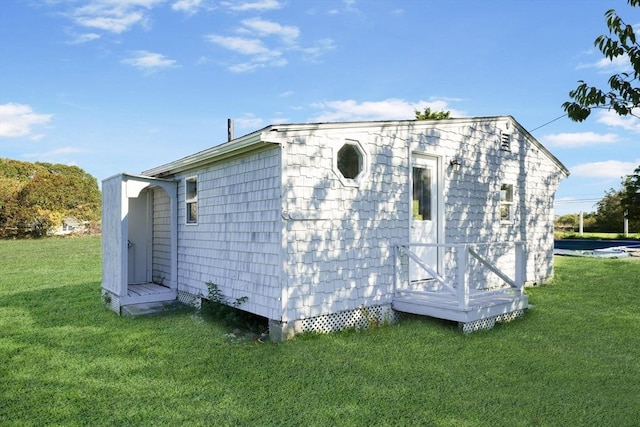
(506, 203)
(350, 161)
(191, 199)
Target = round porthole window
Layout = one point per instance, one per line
(350, 161)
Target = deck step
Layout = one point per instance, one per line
(151, 308)
(447, 307)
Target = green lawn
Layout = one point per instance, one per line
(65, 359)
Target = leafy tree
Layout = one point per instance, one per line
(624, 93)
(631, 195)
(609, 214)
(611, 209)
(35, 197)
(569, 222)
(433, 115)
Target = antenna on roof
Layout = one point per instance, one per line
(229, 129)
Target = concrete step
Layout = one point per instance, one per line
(151, 308)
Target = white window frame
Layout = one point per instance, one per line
(508, 191)
(189, 201)
(363, 163)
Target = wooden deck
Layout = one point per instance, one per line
(148, 292)
(457, 301)
(482, 304)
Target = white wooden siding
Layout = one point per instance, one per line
(236, 243)
(112, 244)
(161, 264)
(339, 239)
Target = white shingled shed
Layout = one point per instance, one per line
(324, 225)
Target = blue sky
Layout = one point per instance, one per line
(125, 85)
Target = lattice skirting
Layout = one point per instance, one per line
(360, 318)
(111, 300)
(489, 322)
(189, 299)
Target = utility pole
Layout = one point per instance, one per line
(581, 223)
(626, 223)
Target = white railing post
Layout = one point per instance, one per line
(463, 283)
(396, 269)
(521, 266)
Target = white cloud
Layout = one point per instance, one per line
(149, 61)
(248, 121)
(389, 109)
(83, 38)
(579, 139)
(260, 5)
(607, 169)
(189, 7)
(116, 16)
(245, 46)
(267, 28)
(260, 55)
(320, 47)
(611, 118)
(287, 93)
(619, 64)
(18, 119)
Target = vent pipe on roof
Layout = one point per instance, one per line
(229, 129)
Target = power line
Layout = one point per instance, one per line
(548, 123)
(562, 202)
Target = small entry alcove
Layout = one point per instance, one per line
(139, 240)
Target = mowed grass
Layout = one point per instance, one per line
(65, 359)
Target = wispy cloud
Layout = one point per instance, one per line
(579, 139)
(252, 6)
(248, 121)
(263, 28)
(388, 109)
(314, 52)
(259, 55)
(149, 61)
(611, 118)
(83, 38)
(264, 43)
(618, 64)
(609, 169)
(190, 7)
(113, 16)
(17, 120)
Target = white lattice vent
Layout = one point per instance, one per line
(508, 317)
(360, 318)
(189, 299)
(489, 322)
(478, 325)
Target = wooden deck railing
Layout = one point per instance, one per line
(463, 251)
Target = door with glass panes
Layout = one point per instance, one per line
(424, 214)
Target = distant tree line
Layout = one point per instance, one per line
(611, 210)
(37, 197)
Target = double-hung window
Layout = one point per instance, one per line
(191, 199)
(506, 203)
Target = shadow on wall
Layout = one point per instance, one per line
(340, 239)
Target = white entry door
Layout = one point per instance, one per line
(424, 214)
